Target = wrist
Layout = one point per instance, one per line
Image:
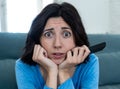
(52, 69)
(52, 73)
(51, 80)
(63, 76)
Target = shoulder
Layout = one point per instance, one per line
(91, 67)
(27, 75)
(93, 58)
(92, 61)
(20, 65)
(89, 72)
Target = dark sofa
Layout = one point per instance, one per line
(11, 48)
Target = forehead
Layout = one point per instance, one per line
(56, 21)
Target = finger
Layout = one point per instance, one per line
(41, 53)
(81, 54)
(75, 52)
(75, 56)
(36, 52)
(69, 54)
(87, 52)
(44, 52)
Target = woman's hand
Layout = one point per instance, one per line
(74, 57)
(40, 56)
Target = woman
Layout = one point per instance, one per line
(57, 54)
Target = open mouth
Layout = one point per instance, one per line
(58, 55)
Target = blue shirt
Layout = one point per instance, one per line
(86, 76)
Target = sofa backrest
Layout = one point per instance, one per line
(109, 58)
(112, 41)
(11, 48)
(12, 44)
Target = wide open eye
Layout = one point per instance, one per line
(48, 34)
(66, 34)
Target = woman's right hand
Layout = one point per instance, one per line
(40, 56)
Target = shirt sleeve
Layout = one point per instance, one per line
(46, 87)
(25, 77)
(91, 77)
(68, 84)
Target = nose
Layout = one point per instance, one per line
(57, 43)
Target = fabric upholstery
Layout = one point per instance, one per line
(11, 48)
(11, 45)
(109, 68)
(7, 74)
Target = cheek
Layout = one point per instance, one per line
(69, 45)
(46, 45)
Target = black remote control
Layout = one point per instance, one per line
(97, 47)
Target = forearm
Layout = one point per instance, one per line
(63, 76)
(51, 80)
(68, 84)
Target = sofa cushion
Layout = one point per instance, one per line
(109, 68)
(11, 45)
(112, 41)
(7, 74)
(116, 86)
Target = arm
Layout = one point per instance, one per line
(25, 77)
(51, 80)
(91, 78)
(23, 80)
(74, 58)
(65, 80)
(68, 84)
(40, 56)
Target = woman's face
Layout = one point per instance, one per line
(57, 39)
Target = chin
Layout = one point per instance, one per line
(58, 61)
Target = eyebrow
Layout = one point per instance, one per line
(66, 28)
(49, 29)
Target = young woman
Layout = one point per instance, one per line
(57, 54)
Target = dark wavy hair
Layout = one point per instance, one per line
(70, 15)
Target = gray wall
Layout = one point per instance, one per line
(99, 16)
(114, 16)
(3, 15)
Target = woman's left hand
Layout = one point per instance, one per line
(74, 57)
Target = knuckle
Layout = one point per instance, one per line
(81, 48)
(69, 61)
(87, 51)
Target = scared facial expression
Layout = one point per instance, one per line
(57, 39)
